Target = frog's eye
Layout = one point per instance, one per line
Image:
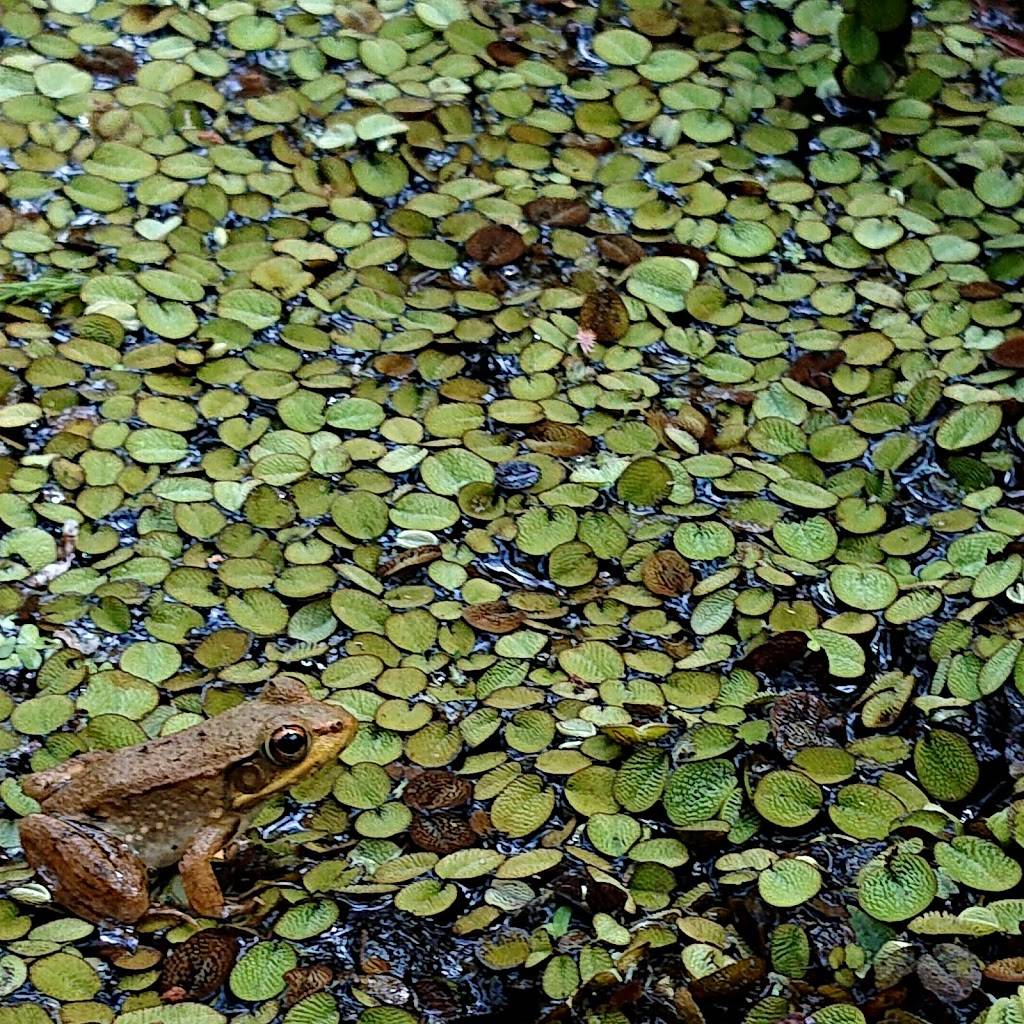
(287, 745)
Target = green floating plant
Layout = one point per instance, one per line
(21, 646)
(870, 35)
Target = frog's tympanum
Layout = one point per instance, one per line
(109, 816)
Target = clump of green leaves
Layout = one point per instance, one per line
(21, 646)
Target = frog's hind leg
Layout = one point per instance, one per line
(90, 873)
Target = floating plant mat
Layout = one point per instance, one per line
(616, 408)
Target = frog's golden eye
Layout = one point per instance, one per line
(287, 745)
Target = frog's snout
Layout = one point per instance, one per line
(341, 725)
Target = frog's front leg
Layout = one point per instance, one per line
(201, 886)
(90, 872)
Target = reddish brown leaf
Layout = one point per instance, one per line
(439, 996)
(604, 314)
(252, 81)
(395, 364)
(493, 617)
(495, 245)
(745, 187)
(777, 652)
(814, 368)
(1012, 44)
(620, 249)
(730, 981)
(560, 440)
(690, 252)
(667, 573)
(198, 968)
(981, 290)
(799, 719)
(480, 822)
(409, 559)
(436, 791)
(112, 61)
(305, 981)
(505, 54)
(441, 833)
(558, 213)
(1010, 353)
(1010, 969)
(687, 1008)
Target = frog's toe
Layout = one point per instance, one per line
(239, 908)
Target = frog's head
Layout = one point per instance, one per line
(295, 735)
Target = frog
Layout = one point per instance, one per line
(106, 819)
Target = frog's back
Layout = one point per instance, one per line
(148, 771)
(46, 784)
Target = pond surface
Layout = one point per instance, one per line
(616, 408)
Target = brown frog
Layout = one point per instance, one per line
(106, 818)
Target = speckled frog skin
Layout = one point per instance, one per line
(106, 818)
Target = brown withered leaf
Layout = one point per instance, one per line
(745, 187)
(1006, 41)
(677, 649)
(505, 54)
(112, 61)
(439, 996)
(1009, 969)
(814, 368)
(559, 440)
(395, 364)
(480, 822)
(494, 617)
(306, 981)
(495, 245)
(731, 980)
(409, 559)
(711, 395)
(595, 144)
(441, 833)
(361, 19)
(198, 968)
(1010, 353)
(436, 790)
(557, 213)
(374, 964)
(981, 290)
(686, 1006)
(686, 418)
(667, 573)
(252, 81)
(777, 652)
(605, 314)
(620, 249)
(690, 252)
(799, 719)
